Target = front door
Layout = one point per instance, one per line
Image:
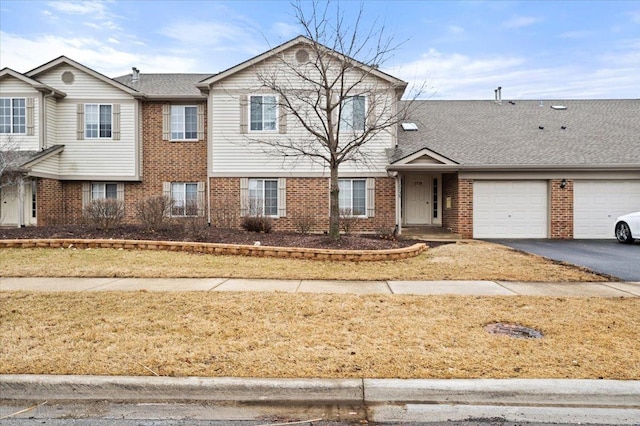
(418, 193)
(9, 212)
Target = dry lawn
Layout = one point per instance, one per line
(315, 335)
(474, 260)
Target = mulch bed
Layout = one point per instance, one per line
(210, 235)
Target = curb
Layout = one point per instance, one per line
(356, 392)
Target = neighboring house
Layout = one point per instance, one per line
(484, 169)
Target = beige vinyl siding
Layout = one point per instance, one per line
(229, 143)
(13, 88)
(84, 86)
(49, 167)
(51, 121)
(104, 157)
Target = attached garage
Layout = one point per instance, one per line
(597, 204)
(510, 209)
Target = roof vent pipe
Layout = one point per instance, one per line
(499, 94)
(135, 74)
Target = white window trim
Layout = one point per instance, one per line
(364, 215)
(103, 196)
(11, 99)
(86, 136)
(185, 199)
(277, 114)
(184, 123)
(263, 198)
(349, 127)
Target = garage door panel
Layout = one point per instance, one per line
(597, 204)
(507, 209)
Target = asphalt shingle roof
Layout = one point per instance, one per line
(165, 84)
(476, 133)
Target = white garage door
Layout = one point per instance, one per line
(510, 209)
(597, 203)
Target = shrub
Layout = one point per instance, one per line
(257, 224)
(347, 220)
(153, 211)
(225, 214)
(104, 213)
(304, 222)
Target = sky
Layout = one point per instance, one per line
(454, 50)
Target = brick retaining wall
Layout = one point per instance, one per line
(224, 249)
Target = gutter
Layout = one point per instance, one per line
(514, 167)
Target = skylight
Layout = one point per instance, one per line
(558, 107)
(409, 127)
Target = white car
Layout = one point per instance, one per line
(628, 227)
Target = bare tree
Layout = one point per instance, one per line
(10, 159)
(323, 86)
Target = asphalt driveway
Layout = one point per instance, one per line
(603, 256)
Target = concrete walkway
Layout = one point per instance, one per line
(475, 288)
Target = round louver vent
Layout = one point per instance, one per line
(302, 56)
(67, 77)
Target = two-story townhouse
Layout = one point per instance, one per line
(75, 135)
(85, 140)
(250, 173)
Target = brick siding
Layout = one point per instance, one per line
(458, 218)
(307, 200)
(49, 202)
(561, 209)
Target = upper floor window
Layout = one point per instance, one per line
(13, 115)
(263, 197)
(352, 113)
(264, 110)
(97, 120)
(101, 191)
(352, 197)
(184, 122)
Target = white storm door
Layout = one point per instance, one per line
(9, 211)
(418, 202)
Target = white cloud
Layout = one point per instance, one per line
(79, 7)
(635, 16)
(216, 36)
(22, 54)
(284, 30)
(520, 21)
(576, 34)
(457, 76)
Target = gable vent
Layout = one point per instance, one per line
(302, 56)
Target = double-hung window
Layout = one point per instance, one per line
(263, 112)
(263, 197)
(102, 191)
(352, 113)
(352, 197)
(184, 122)
(97, 121)
(13, 115)
(184, 197)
